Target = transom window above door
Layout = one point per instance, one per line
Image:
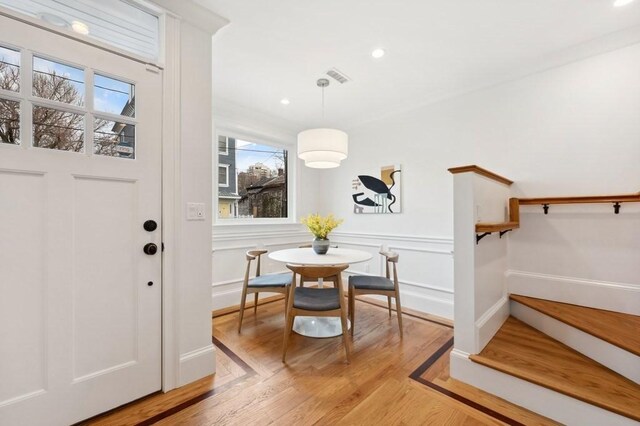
(120, 23)
(70, 107)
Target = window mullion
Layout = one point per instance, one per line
(26, 107)
(88, 117)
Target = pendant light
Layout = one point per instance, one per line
(322, 148)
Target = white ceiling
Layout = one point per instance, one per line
(274, 49)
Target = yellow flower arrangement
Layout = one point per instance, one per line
(320, 226)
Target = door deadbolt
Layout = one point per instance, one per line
(150, 225)
(150, 249)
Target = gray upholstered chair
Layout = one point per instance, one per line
(384, 286)
(272, 283)
(316, 302)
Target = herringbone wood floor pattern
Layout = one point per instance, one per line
(253, 387)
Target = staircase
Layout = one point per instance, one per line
(587, 354)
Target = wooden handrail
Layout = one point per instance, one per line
(627, 198)
(479, 170)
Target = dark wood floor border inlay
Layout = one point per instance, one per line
(417, 376)
(249, 372)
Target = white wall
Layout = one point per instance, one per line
(570, 130)
(188, 352)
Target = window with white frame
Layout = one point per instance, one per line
(223, 145)
(223, 175)
(252, 179)
(61, 107)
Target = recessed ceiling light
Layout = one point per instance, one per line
(54, 19)
(80, 27)
(285, 101)
(377, 53)
(620, 3)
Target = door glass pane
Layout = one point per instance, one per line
(114, 139)
(113, 96)
(9, 69)
(55, 129)
(58, 82)
(9, 122)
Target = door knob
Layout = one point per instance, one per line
(150, 249)
(150, 225)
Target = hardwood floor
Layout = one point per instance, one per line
(389, 381)
(522, 351)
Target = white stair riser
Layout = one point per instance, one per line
(541, 400)
(610, 296)
(611, 356)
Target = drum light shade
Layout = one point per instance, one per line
(322, 148)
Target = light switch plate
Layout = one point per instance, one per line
(195, 211)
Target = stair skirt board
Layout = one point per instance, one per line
(622, 362)
(544, 401)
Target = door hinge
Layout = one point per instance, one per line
(162, 246)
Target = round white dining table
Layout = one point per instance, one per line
(319, 326)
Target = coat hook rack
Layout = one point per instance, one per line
(616, 208)
(545, 207)
(481, 236)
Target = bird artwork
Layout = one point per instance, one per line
(380, 194)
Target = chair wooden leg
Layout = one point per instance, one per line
(242, 301)
(352, 310)
(399, 311)
(286, 303)
(345, 331)
(389, 302)
(255, 304)
(287, 332)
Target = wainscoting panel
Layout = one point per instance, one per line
(425, 269)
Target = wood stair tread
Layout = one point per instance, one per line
(524, 352)
(619, 329)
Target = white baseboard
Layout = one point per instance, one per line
(538, 399)
(611, 356)
(618, 297)
(422, 303)
(197, 364)
(491, 321)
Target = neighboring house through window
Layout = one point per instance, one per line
(252, 180)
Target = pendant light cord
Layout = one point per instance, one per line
(323, 103)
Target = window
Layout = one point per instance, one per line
(126, 25)
(60, 107)
(223, 145)
(252, 179)
(223, 175)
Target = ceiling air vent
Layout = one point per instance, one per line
(338, 76)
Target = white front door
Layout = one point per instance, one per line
(80, 169)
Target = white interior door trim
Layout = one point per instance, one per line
(171, 203)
